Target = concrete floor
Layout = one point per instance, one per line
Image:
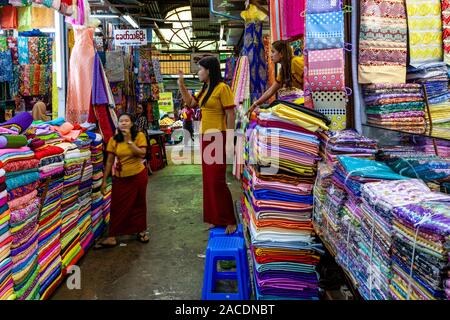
(169, 267)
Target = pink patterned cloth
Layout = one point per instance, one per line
(326, 70)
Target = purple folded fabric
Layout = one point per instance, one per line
(19, 122)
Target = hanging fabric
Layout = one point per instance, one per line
(6, 66)
(24, 18)
(42, 17)
(276, 19)
(8, 16)
(425, 31)
(382, 42)
(80, 76)
(326, 70)
(325, 30)
(334, 106)
(445, 4)
(323, 6)
(254, 50)
(114, 66)
(293, 19)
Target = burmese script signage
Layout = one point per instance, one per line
(133, 37)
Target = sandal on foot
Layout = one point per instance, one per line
(143, 238)
(101, 245)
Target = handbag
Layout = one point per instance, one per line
(333, 104)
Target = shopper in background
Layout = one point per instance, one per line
(187, 114)
(141, 119)
(126, 151)
(39, 112)
(290, 75)
(218, 120)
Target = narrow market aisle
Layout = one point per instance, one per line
(169, 266)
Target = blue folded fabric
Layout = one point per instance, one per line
(281, 196)
(368, 169)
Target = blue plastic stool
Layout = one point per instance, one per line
(220, 232)
(226, 248)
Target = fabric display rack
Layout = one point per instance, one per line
(380, 202)
(277, 208)
(26, 57)
(52, 209)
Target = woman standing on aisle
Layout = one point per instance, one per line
(216, 129)
(129, 187)
(291, 73)
(141, 119)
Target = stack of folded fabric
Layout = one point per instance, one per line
(395, 106)
(346, 223)
(431, 169)
(51, 170)
(383, 200)
(45, 132)
(421, 251)
(346, 142)
(278, 206)
(84, 193)
(98, 224)
(71, 249)
(434, 77)
(22, 180)
(6, 264)
(434, 146)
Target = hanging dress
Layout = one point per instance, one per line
(80, 76)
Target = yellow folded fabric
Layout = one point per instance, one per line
(302, 119)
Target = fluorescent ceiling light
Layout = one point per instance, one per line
(131, 21)
(105, 16)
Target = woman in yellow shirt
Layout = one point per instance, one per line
(216, 129)
(291, 73)
(126, 151)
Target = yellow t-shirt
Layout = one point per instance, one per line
(127, 163)
(297, 66)
(213, 112)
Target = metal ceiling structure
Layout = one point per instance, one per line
(203, 26)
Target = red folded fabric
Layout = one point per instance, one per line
(48, 151)
(21, 165)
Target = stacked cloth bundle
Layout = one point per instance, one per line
(428, 168)
(51, 171)
(71, 249)
(22, 180)
(44, 132)
(96, 147)
(346, 142)
(434, 78)
(347, 223)
(277, 202)
(421, 251)
(395, 106)
(418, 224)
(6, 264)
(84, 192)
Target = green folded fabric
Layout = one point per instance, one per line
(13, 141)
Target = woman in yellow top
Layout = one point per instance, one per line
(216, 129)
(291, 73)
(129, 187)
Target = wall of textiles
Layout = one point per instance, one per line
(26, 55)
(325, 50)
(374, 216)
(52, 207)
(402, 69)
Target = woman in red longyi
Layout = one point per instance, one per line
(217, 128)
